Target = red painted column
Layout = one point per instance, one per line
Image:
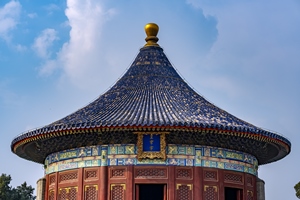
(137, 192)
(129, 183)
(197, 187)
(245, 186)
(254, 188)
(80, 183)
(221, 189)
(56, 186)
(103, 183)
(171, 183)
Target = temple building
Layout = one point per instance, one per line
(151, 136)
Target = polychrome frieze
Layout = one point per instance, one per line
(127, 154)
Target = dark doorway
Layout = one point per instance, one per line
(233, 194)
(150, 192)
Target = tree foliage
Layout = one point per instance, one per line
(297, 188)
(7, 192)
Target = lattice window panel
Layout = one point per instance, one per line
(210, 193)
(73, 194)
(117, 192)
(68, 177)
(184, 173)
(51, 195)
(143, 173)
(118, 173)
(184, 192)
(52, 179)
(91, 174)
(90, 193)
(250, 195)
(62, 195)
(210, 175)
(233, 178)
(249, 181)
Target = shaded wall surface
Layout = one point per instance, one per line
(40, 189)
(260, 185)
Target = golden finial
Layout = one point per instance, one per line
(151, 30)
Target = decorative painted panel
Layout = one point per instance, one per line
(52, 179)
(91, 174)
(184, 173)
(184, 192)
(51, 195)
(249, 181)
(90, 192)
(68, 193)
(249, 195)
(117, 191)
(233, 178)
(151, 173)
(127, 154)
(68, 177)
(73, 193)
(210, 192)
(117, 173)
(62, 194)
(210, 175)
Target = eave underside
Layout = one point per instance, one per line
(264, 149)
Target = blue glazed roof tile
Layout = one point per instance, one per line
(151, 93)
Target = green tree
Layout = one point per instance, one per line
(25, 192)
(297, 188)
(22, 192)
(5, 189)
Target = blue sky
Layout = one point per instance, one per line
(57, 56)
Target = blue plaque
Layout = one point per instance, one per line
(151, 145)
(151, 142)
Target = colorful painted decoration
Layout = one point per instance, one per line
(127, 154)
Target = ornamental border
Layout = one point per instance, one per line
(126, 154)
(40, 134)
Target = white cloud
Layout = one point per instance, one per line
(88, 60)
(256, 46)
(48, 67)
(20, 48)
(9, 16)
(32, 15)
(43, 42)
(51, 8)
(80, 55)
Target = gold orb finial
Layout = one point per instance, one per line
(151, 30)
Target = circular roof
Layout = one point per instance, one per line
(151, 96)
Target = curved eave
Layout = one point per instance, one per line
(279, 144)
(151, 96)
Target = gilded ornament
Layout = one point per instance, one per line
(151, 154)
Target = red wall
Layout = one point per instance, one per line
(121, 183)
